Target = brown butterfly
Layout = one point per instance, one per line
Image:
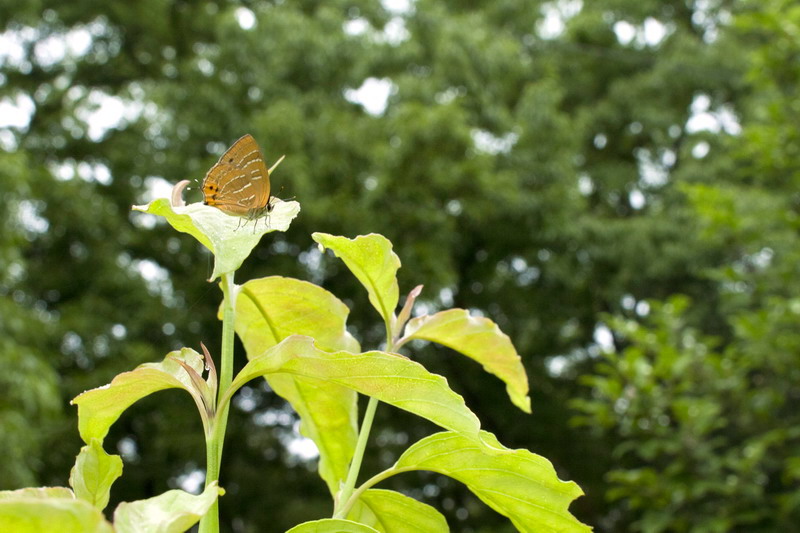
(239, 183)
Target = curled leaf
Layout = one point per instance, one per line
(405, 312)
(99, 408)
(479, 339)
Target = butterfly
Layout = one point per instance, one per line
(239, 183)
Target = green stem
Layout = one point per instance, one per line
(226, 371)
(343, 501)
(355, 465)
(374, 480)
(210, 522)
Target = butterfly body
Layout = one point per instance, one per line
(238, 184)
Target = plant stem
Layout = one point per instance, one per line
(355, 465)
(226, 371)
(343, 503)
(374, 480)
(210, 522)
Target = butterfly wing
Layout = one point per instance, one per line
(239, 183)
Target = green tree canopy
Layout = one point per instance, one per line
(540, 162)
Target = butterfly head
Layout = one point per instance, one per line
(210, 190)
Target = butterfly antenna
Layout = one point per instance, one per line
(278, 162)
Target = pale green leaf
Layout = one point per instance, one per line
(516, 483)
(388, 377)
(94, 473)
(392, 512)
(35, 514)
(270, 309)
(332, 525)
(230, 238)
(101, 407)
(480, 339)
(38, 492)
(174, 511)
(370, 258)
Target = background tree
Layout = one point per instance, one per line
(540, 162)
(705, 427)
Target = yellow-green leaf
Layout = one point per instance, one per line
(332, 525)
(270, 309)
(37, 492)
(391, 378)
(480, 339)
(516, 483)
(99, 408)
(329, 416)
(94, 473)
(392, 512)
(230, 238)
(35, 514)
(175, 511)
(370, 258)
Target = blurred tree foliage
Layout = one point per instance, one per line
(550, 164)
(705, 428)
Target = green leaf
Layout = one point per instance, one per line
(38, 492)
(230, 238)
(94, 473)
(37, 514)
(392, 512)
(174, 511)
(371, 259)
(516, 483)
(480, 339)
(391, 378)
(329, 416)
(270, 309)
(101, 407)
(332, 525)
